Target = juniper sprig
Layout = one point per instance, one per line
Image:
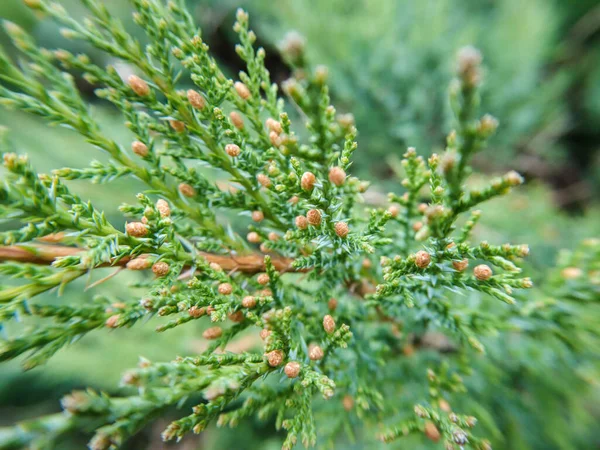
(338, 290)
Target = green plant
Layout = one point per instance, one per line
(336, 289)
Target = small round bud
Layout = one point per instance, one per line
(513, 178)
(139, 86)
(225, 289)
(294, 200)
(482, 272)
(112, 321)
(212, 333)
(264, 180)
(273, 236)
(275, 358)
(422, 259)
(274, 125)
(431, 431)
(236, 120)
(460, 266)
(263, 279)
(136, 229)
(139, 148)
(236, 317)
(314, 217)
(422, 208)
(342, 229)
(258, 216)
(292, 369)
(315, 353)
(196, 312)
(348, 402)
(417, 226)
(571, 273)
(337, 176)
(346, 120)
(177, 125)
(248, 302)
(444, 405)
(275, 139)
(321, 73)
(264, 334)
(253, 237)
(332, 304)
(195, 99)
(394, 210)
(292, 46)
(186, 190)
(302, 222)
(160, 269)
(460, 437)
(163, 208)
(216, 267)
(138, 264)
(328, 324)
(232, 150)
(242, 90)
(307, 182)
(469, 61)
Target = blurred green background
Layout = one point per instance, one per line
(390, 63)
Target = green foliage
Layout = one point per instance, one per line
(342, 291)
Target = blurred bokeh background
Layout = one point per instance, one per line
(390, 62)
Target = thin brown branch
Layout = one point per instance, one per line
(46, 254)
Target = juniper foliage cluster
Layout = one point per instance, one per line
(337, 289)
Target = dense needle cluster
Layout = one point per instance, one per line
(333, 287)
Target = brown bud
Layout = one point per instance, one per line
(422, 259)
(273, 236)
(337, 176)
(136, 229)
(460, 266)
(139, 86)
(513, 178)
(274, 125)
(302, 222)
(348, 402)
(332, 304)
(242, 90)
(264, 333)
(187, 190)
(341, 229)
(294, 200)
(232, 150)
(422, 208)
(177, 125)
(138, 263)
(253, 237)
(417, 226)
(482, 272)
(314, 217)
(394, 210)
(195, 99)
(112, 321)
(275, 139)
(258, 216)
(236, 120)
(292, 369)
(444, 405)
(275, 358)
(236, 317)
(212, 333)
(139, 148)
(248, 302)
(216, 267)
(307, 182)
(196, 312)
(163, 208)
(315, 352)
(263, 279)
(431, 431)
(160, 269)
(263, 180)
(225, 289)
(328, 324)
